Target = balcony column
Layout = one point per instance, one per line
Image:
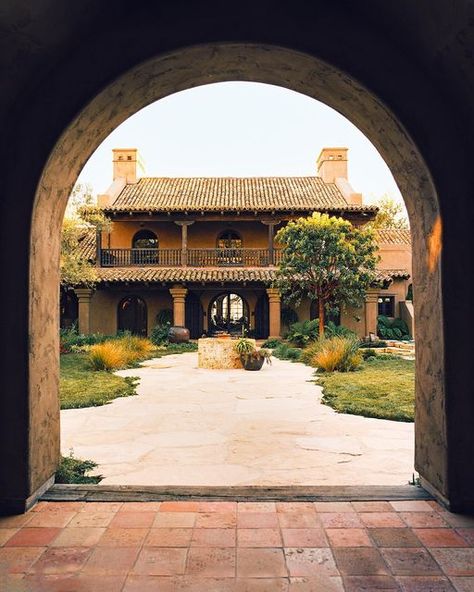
(84, 296)
(371, 311)
(271, 233)
(274, 299)
(98, 243)
(179, 301)
(184, 239)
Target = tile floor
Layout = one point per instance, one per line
(186, 546)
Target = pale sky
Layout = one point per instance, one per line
(240, 129)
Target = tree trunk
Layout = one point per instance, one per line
(321, 317)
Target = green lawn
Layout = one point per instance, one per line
(382, 388)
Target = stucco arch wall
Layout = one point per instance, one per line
(191, 67)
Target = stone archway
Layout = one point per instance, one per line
(185, 69)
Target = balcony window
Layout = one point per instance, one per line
(146, 244)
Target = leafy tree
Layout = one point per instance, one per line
(326, 259)
(391, 215)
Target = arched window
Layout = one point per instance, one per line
(228, 312)
(132, 316)
(145, 239)
(229, 239)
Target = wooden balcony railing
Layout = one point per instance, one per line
(190, 257)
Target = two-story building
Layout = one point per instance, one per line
(204, 249)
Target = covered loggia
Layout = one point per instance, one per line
(30, 411)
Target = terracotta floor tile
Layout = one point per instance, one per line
(466, 533)
(61, 560)
(439, 537)
(425, 584)
(33, 537)
(295, 507)
(319, 583)
(261, 563)
(370, 584)
(18, 559)
(174, 520)
(179, 506)
(410, 562)
(203, 584)
(72, 583)
(256, 507)
(58, 507)
(216, 520)
(208, 507)
(169, 537)
(150, 584)
(411, 506)
(299, 520)
(78, 537)
(6, 534)
(458, 520)
(140, 507)
(360, 562)
(348, 537)
(381, 520)
(261, 585)
(213, 537)
(16, 521)
(101, 507)
(123, 537)
(133, 519)
(463, 584)
(423, 519)
(211, 562)
(257, 520)
(341, 520)
(97, 519)
(105, 561)
(51, 519)
(455, 562)
(394, 537)
(436, 506)
(372, 507)
(161, 561)
(333, 507)
(310, 562)
(259, 537)
(304, 537)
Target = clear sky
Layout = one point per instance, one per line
(239, 129)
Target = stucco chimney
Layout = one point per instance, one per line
(332, 164)
(125, 162)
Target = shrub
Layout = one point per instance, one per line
(164, 317)
(368, 353)
(337, 353)
(372, 344)
(179, 348)
(159, 334)
(272, 343)
(111, 355)
(73, 470)
(137, 345)
(301, 333)
(333, 330)
(284, 352)
(392, 329)
(70, 337)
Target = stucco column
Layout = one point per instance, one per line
(275, 311)
(179, 300)
(84, 296)
(371, 311)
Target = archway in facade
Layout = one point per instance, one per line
(132, 316)
(212, 63)
(229, 313)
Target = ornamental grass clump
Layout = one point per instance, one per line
(336, 354)
(137, 345)
(111, 355)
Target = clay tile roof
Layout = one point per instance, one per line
(393, 236)
(183, 274)
(164, 194)
(87, 244)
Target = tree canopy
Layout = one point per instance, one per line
(325, 258)
(391, 215)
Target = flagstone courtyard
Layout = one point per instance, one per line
(194, 426)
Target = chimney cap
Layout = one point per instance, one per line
(332, 153)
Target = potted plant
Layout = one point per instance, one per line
(251, 357)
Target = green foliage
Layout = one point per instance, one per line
(383, 388)
(244, 347)
(392, 329)
(372, 344)
(333, 330)
(302, 332)
(73, 470)
(70, 339)
(288, 316)
(75, 270)
(285, 352)
(272, 343)
(178, 348)
(391, 215)
(368, 353)
(159, 334)
(326, 258)
(334, 354)
(164, 317)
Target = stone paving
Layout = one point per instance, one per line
(189, 546)
(195, 426)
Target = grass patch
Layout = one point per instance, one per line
(383, 388)
(73, 470)
(80, 386)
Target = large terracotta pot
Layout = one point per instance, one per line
(178, 335)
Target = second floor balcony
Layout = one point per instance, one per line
(189, 257)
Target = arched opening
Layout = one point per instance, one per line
(228, 313)
(190, 67)
(229, 248)
(262, 317)
(132, 316)
(145, 239)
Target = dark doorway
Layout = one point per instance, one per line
(228, 313)
(132, 316)
(68, 308)
(262, 322)
(193, 315)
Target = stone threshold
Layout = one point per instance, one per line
(297, 493)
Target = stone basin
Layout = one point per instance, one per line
(218, 353)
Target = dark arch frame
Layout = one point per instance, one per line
(138, 325)
(245, 309)
(145, 234)
(229, 231)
